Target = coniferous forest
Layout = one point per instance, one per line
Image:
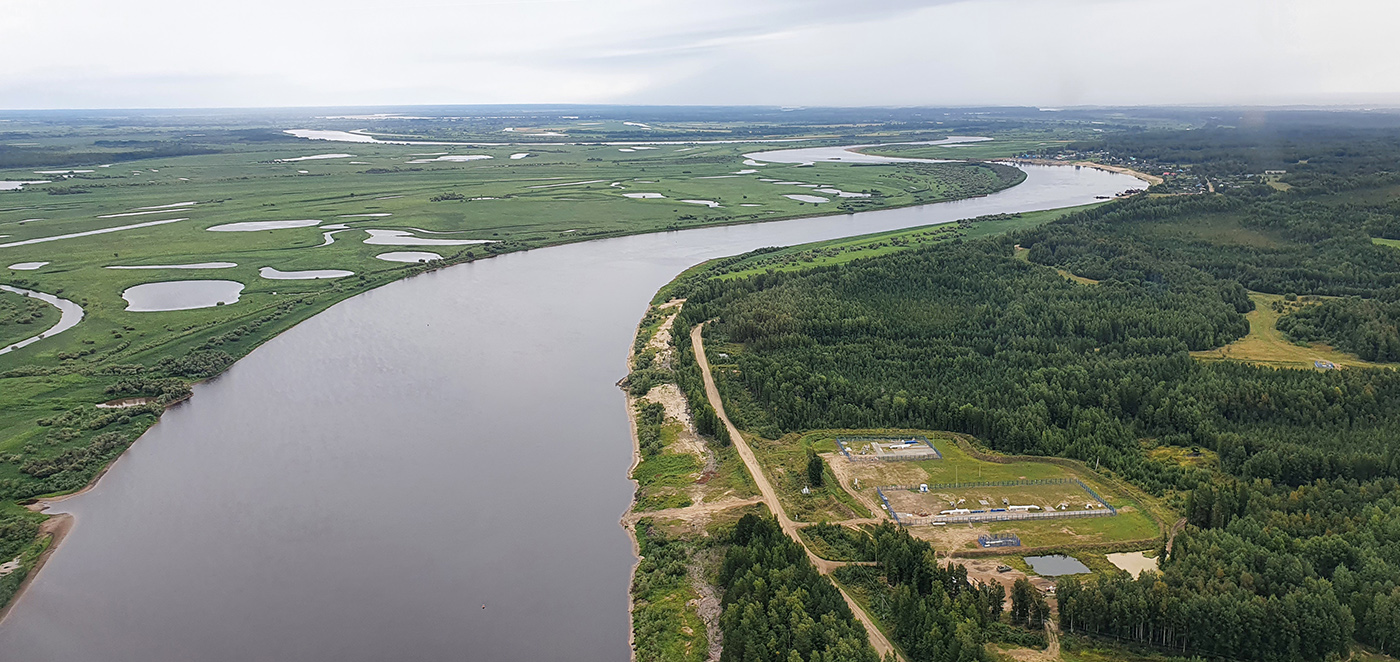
(1292, 544)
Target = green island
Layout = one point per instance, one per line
(1194, 388)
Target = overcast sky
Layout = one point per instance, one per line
(211, 53)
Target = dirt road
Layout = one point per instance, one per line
(770, 496)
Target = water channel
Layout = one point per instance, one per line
(433, 470)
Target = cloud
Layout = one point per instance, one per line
(153, 53)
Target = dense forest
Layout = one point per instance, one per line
(1294, 543)
(778, 607)
(1367, 328)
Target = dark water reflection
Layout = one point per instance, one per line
(357, 488)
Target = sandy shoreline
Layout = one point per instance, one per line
(57, 528)
(1150, 179)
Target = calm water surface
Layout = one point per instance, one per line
(357, 488)
(1056, 565)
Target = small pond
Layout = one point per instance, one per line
(313, 274)
(409, 256)
(181, 295)
(1056, 565)
(254, 226)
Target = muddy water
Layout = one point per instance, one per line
(359, 487)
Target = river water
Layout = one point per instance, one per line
(358, 488)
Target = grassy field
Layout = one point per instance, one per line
(23, 317)
(785, 461)
(1393, 243)
(1266, 345)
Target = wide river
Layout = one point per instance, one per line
(360, 486)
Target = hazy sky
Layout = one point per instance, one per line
(169, 53)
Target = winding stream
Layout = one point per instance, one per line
(358, 488)
(69, 315)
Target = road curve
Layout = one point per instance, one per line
(770, 496)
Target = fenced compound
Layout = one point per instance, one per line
(999, 540)
(968, 516)
(888, 449)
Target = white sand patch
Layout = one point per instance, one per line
(388, 197)
(708, 203)
(748, 171)
(637, 124)
(767, 180)
(751, 162)
(843, 194)
(429, 154)
(591, 181)
(254, 226)
(303, 172)
(749, 204)
(181, 295)
(89, 233)
(453, 158)
(409, 256)
(183, 179)
(328, 238)
(815, 199)
(626, 149)
(64, 172)
(70, 314)
(142, 213)
(718, 177)
(381, 214)
(196, 265)
(314, 274)
(170, 206)
(28, 266)
(17, 185)
(1134, 563)
(403, 238)
(358, 162)
(643, 196)
(519, 155)
(640, 148)
(315, 157)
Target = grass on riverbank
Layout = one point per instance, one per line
(23, 317)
